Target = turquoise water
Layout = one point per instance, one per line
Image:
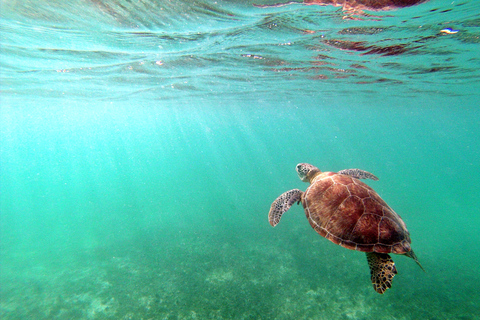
(142, 143)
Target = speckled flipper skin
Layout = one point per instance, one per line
(358, 174)
(282, 204)
(382, 271)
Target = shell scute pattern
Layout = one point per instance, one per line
(373, 206)
(359, 191)
(323, 194)
(389, 229)
(343, 221)
(350, 213)
(366, 230)
(342, 179)
(334, 197)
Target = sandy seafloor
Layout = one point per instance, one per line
(142, 143)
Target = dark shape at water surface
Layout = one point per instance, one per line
(355, 6)
(349, 213)
(364, 47)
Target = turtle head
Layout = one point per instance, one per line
(306, 171)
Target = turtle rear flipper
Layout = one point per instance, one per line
(282, 204)
(382, 271)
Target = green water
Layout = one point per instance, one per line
(140, 150)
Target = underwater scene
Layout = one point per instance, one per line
(143, 142)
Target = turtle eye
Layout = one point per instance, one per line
(302, 170)
(300, 167)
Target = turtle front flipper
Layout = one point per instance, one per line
(358, 174)
(282, 204)
(382, 271)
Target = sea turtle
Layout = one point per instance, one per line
(348, 212)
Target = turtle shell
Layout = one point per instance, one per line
(348, 212)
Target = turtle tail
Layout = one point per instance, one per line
(412, 255)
